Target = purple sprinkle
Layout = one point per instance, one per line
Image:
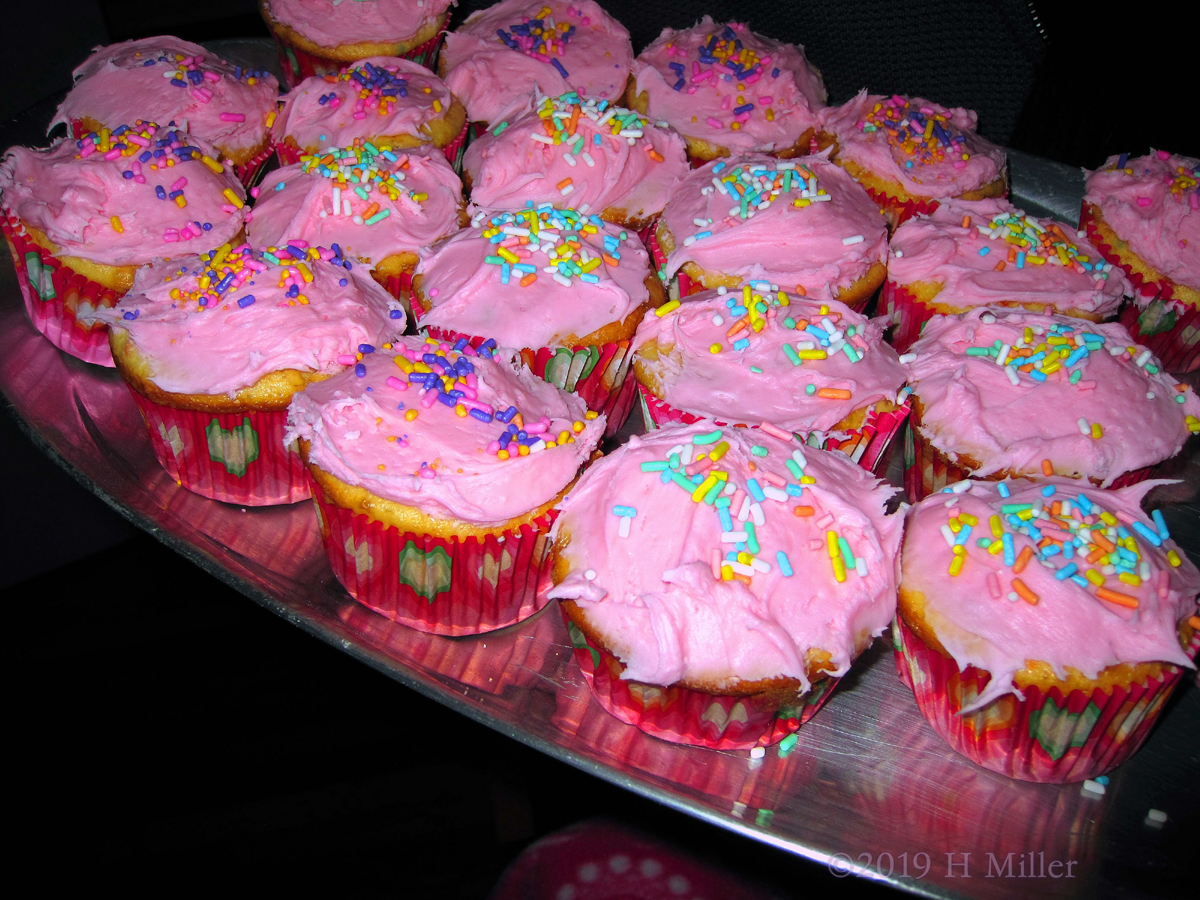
(360, 370)
(245, 301)
(558, 65)
(342, 283)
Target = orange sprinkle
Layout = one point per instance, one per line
(1023, 559)
(1117, 597)
(1104, 543)
(655, 155)
(804, 511)
(528, 279)
(609, 260)
(1012, 253)
(370, 210)
(737, 326)
(1000, 266)
(574, 120)
(564, 183)
(801, 324)
(745, 579)
(1047, 467)
(834, 394)
(1056, 508)
(966, 222)
(1095, 554)
(1024, 592)
(1194, 621)
(801, 291)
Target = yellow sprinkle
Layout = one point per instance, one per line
(1108, 519)
(577, 427)
(590, 414)
(305, 272)
(807, 479)
(668, 307)
(271, 118)
(997, 527)
(996, 548)
(460, 410)
(715, 348)
(116, 224)
(405, 365)
(437, 105)
(703, 488)
(233, 198)
(410, 415)
(831, 544)
(1173, 559)
(811, 354)
(727, 572)
(1094, 577)
(523, 450)
(180, 201)
(956, 564)
(1097, 431)
(718, 451)
(1130, 579)
(968, 519)
(212, 163)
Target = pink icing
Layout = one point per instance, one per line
(723, 385)
(73, 197)
(346, 116)
(978, 615)
(332, 23)
(493, 79)
(228, 107)
(939, 249)
(1153, 204)
(655, 597)
(440, 462)
(942, 173)
(971, 407)
(604, 169)
(705, 106)
(226, 346)
(469, 294)
(783, 243)
(298, 204)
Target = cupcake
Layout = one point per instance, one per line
(910, 153)
(970, 253)
(801, 224)
(436, 469)
(585, 154)
(1046, 644)
(498, 57)
(707, 604)
(381, 100)
(320, 37)
(1000, 394)
(567, 290)
(164, 79)
(789, 364)
(375, 205)
(212, 348)
(82, 215)
(1144, 216)
(728, 90)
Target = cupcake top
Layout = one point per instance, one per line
(1115, 596)
(499, 443)
(164, 79)
(533, 278)
(729, 569)
(928, 149)
(587, 154)
(730, 87)
(1009, 390)
(333, 23)
(371, 204)
(384, 96)
(1153, 204)
(792, 222)
(126, 197)
(988, 251)
(497, 58)
(807, 367)
(217, 323)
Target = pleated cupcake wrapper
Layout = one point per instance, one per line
(457, 148)
(1049, 736)
(686, 716)
(908, 314)
(448, 586)
(866, 445)
(399, 286)
(234, 457)
(1168, 327)
(298, 64)
(54, 293)
(927, 470)
(900, 211)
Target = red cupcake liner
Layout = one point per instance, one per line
(1047, 737)
(299, 64)
(53, 294)
(907, 313)
(457, 148)
(448, 586)
(399, 286)
(865, 446)
(685, 716)
(233, 457)
(900, 211)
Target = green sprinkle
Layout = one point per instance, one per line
(494, 260)
(271, 258)
(1011, 508)
(362, 192)
(722, 502)
(711, 438)
(983, 542)
(977, 351)
(655, 466)
(714, 492)
(682, 482)
(844, 549)
(791, 354)
(751, 537)
(1075, 376)
(759, 450)
(789, 322)
(810, 389)
(756, 369)
(786, 745)
(499, 128)
(794, 468)
(378, 217)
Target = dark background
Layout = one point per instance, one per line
(166, 726)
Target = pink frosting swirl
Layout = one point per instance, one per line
(438, 462)
(979, 617)
(332, 23)
(1009, 420)
(113, 200)
(655, 587)
(421, 195)
(725, 386)
(597, 167)
(165, 79)
(1153, 204)
(470, 294)
(868, 128)
(494, 76)
(403, 96)
(772, 98)
(804, 222)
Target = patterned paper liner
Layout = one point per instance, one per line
(289, 155)
(927, 470)
(1048, 736)
(399, 286)
(900, 211)
(865, 446)
(685, 716)
(908, 314)
(233, 457)
(1167, 326)
(298, 64)
(448, 586)
(53, 294)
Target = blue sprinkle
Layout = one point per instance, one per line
(1161, 524)
(360, 370)
(342, 283)
(755, 491)
(392, 314)
(1147, 534)
(480, 415)
(365, 348)
(1003, 489)
(785, 565)
(245, 301)
(1048, 490)
(1066, 572)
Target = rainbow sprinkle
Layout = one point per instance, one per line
(561, 117)
(542, 38)
(723, 58)
(918, 135)
(560, 243)
(357, 171)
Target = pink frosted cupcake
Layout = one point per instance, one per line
(728, 90)
(164, 79)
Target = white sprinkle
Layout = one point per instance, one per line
(561, 279)
(948, 535)
(570, 160)
(1093, 787)
(542, 139)
(756, 513)
(685, 455)
(1013, 597)
(856, 239)
(773, 493)
(623, 528)
(590, 574)
(1157, 816)
(1143, 358)
(757, 752)
(860, 566)
(744, 512)
(759, 565)
(730, 489)
(1002, 356)
(689, 240)
(800, 458)
(953, 501)
(1011, 372)
(906, 358)
(717, 320)
(1149, 395)
(1084, 428)
(740, 568)
(587, 158)
(899, 254)
(701, 222)
(987, 319)
(569, 189)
